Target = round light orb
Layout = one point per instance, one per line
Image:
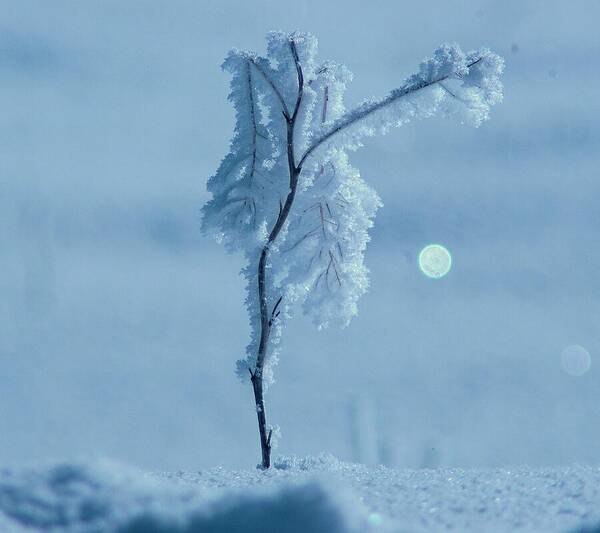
(375, 519)
(435, 261)
(575, 360)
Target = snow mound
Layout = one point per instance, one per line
(103, 496)
(313, 494)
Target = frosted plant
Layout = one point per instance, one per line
(286, 194)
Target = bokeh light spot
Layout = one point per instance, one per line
(375, 519)
(575, 360)
(435, 261)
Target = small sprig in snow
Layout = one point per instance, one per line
(318, 259)
(286, 194)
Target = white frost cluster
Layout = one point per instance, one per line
(317, 260)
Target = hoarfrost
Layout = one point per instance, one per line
(316, 260)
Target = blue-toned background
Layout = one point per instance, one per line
(120, 324)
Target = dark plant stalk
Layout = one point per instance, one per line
(266, 317)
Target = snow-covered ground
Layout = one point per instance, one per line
(299, 495)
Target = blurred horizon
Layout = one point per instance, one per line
(120, 324)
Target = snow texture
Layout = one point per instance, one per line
(317, 258)
(106, 497)
(318, 494)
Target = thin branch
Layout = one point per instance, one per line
(454, 95)
(314, 206)
(325, 101)
(312, 233)
(300, 79)
(343, 198)
(319, 279)
(253, 118)
(333, 262)
(265, 320)
(270, 82)
(447, 90)
(275, 307)
(294, 173)
(322, 172)
(322, 217)
(319, 72)
(353, 119)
